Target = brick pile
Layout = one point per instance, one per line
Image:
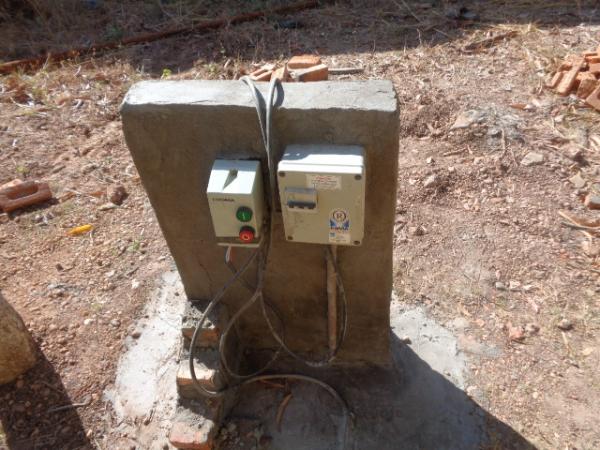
(579, 75)
(299, 68)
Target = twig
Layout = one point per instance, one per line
(281, 410)
(72, 405)
(488, 42)
(454, 152)
(345, 70)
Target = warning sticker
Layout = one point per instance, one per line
(339, 227)
(323, 182)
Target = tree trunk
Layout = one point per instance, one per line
(17, 350)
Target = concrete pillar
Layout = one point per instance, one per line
(175, 130)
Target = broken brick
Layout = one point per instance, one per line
(568, 80)
(189, 436)
(316, 73)
(303, 61)
(264, 76)
(587, 84)
(10, 184)
(594, 98)
(24, 194)
(282, 74)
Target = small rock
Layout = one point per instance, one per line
(116, 323)
(532, 159)
(575, 153)
(531, 328)
(417, 231)
(88, 321)
(107, 206)
(136, 334)
(429, 160)
(514, 286)
(116, 194)
(467, 118)
(577, 180)
(430, 181)
(516, 334)
(500, 286)
(592, 201)
(406, 340)
(587, 351)
(135, 284)
(565, 325)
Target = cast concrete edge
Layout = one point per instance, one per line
(370, 95)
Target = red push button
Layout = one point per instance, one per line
(247, 234)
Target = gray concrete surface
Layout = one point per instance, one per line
(175, 130)
(145, 389)
(417, 404)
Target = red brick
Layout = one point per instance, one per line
(303, 61)
(594, 99)
(595, 68)
(208, 377)
(553, 82)
(568, 80)
(191, 437)
(593, 59)
(24, 194)
(10, 184)
(316, 73)
(586, 84)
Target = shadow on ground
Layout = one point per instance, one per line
(333, 28)
(37, 413)
(410, 406)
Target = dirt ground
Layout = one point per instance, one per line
(479, 240)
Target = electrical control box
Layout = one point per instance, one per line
(236, 201)
(322, 193)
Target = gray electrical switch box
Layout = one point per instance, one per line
(322, 193)
(235, 198)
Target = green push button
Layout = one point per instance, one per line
(244, 214)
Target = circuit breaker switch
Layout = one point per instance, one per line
(301, 199)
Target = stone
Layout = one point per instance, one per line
(532, 159)
(303, 61)
(577, 180)
(531, 328)
(500, 286)
(115, 323)
(467, 118)
(430, 181)
(514, 285)
(173, 129)
(592, 201)
(17, 351)
(565, 324)
(116, 194)
(107, 206)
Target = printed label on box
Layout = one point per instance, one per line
(339, 227)
(323, 182)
